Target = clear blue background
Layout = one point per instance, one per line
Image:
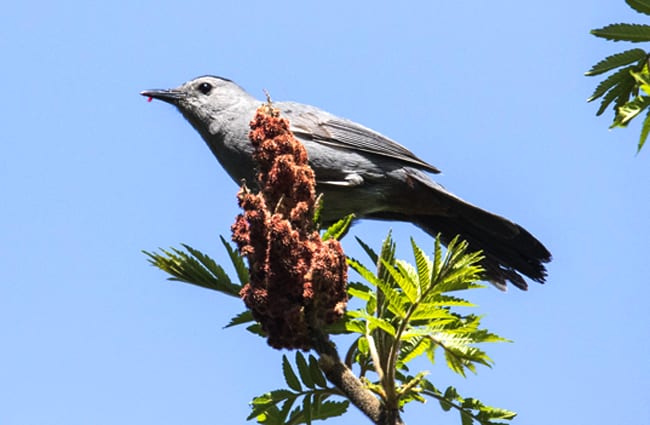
(493, 93)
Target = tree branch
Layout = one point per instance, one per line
(345, 380)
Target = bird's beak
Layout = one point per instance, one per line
(169, 95)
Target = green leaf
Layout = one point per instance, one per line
(458, 270)
(280, 395)
(395, 301)
(642, 80)
(641, 6)
(338, 229)
(620, 92)
(271, 416)
(307, 408)
(289, 375)
(449, 396)
(409, 397)
(216, 270)
(237, 261)
(356, 326)
(387, 254)
(371, 304)
(403, 278)
(267, 401)
(411, 382)
(429, 312)
(347, 324)
(195, 268)
(645, 130)
(423, 264)
(624, 32)
(363, 346)
(457, 360)
(425, 319)
(413, 286)
(413, 347)
(614, 61)
(318, 209)
(373, 322)
(363, 271)
(460, 356)
(630, 110)
(284, 412)
(241, 318)
(466, 418)
(256, 329)
(619, 77)
(369, 251)
(359, 290)
(316, 373)
(437, 259)
(330, 409)
(448, 301)
(470, 409)
(461, 280)
(303, 369)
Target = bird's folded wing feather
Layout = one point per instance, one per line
(346, 134)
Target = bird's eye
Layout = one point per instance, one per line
(205, 88)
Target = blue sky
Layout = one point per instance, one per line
(492, 93)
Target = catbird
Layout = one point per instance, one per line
(359, 171)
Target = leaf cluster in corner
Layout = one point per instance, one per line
(626, 88)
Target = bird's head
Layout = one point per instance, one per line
(202, 100)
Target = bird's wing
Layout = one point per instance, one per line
(345, 134)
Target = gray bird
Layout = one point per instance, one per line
(359, 171)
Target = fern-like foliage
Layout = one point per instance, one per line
(306, 399)
(471, 410)
(408, 310)
(339, 229)
(193, 266)
(190, 265)
(420, 316)
(625, 88)
(624, 32)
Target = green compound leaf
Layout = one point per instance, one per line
(241, 318)
(237, 261)
(619, 77)
(289, 375)
(194, 267)
(303, 369)
(641, 6)
(338, 229)
(624, 32)
(616, 60)
(264, 406)
(316, 373)
(619, 93)
(630, 110)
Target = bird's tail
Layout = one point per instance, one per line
(509, 250)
